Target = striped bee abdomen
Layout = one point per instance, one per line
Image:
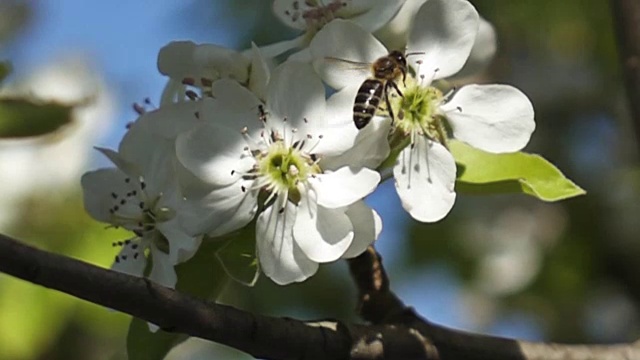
(367, 101)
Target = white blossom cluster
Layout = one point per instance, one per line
(239, 142)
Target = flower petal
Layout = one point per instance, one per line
(259, 77)
(367, 147)
(395, 33)
(234, 106)
(168, 121)
(373, 14)
(322, 234)
(295, 94)
(493, 118)
(425, 176)
(98, 187)
(339, 41)
(281, 258)
(215, 62)
(221, 211)
(182, 246)
(279, 48)
(344, 186)
(131, 259)
(290, 13)
(367, 226)
(213, 153)
(150, 155)
(340, 133)
(444, 30)
(184, 59)
(483, 51)
(162, 271)
(171, 59)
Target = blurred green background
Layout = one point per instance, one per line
(507, 265)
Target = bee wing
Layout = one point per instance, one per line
(339, 73)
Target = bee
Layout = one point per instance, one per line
(385, 70)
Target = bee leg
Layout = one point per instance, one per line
(387, 101)
(396, 88)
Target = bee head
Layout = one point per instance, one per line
(399, 57)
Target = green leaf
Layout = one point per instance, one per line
(480, 172)
(238, 256)
(5, 70)
(24, 118)
(201, 276)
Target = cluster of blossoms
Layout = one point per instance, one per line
(238, 143)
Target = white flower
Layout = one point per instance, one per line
(310, 16)
(198, 66)
(395, 34)
(494, 118)
(274, 164)
(142, 195)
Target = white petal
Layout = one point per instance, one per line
(343, 40)
(213, 153)
(234, 106)
(98, 188)
(162, 271)
(131, 259)
(290, 14)
(173, 92)
(322, 234)
(295, 93)
(483, 51)
(279, 48)
(182, 246)
(169, 120)
(425, 176)
(121, 163)
(494, 118)
(367, 147)
(367, 226)
(171, 59)
(151, 155)
(344, 186)
(340, 133)
(216, 62)
(281, 258)
(184, 59)
(221, 211)
(373, 13)
(395, 33)
(259, 77)
(444, 30)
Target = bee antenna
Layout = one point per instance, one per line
(414, 53)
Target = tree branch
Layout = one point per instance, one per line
(406, 337)
(379, 305)
(626, 14)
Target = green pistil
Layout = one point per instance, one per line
(416, 113)
(417, 109)
(286, 167)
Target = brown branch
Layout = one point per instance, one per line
(379, 305)
(626, 14)
(404, 335)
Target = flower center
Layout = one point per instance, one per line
(418, 111)
(283, 167)
(135, 210)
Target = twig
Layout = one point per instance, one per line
(266, 337)
(379, 305)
